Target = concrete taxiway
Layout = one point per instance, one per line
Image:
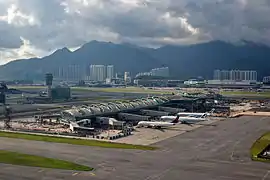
(148, 136)
(218, 152)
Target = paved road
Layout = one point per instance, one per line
(212, 153)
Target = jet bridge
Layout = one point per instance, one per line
(171, 110)
(154, 113)
(132, 117)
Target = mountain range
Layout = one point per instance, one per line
(185, 61)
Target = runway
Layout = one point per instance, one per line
(211, 152)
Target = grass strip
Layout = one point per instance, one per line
(259, 146)
(84, 142)
(121, 90)
(16, 158)
(111, 90)
(247, 93)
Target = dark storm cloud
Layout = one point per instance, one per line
(56, 23)
(7, 38)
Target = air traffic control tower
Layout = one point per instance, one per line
(49, 79)
(3, 89)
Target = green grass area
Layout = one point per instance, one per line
(15, 158)
(259, 146)
(74, 141)
(247, 93)
(112, 90)
(122, 90)
(99, 98)
(27, 87)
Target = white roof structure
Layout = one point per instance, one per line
(111, 107)
(110, 121)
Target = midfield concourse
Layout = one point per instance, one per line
(210, 152)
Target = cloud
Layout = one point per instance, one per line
(25, 51)
(48, 25)
(229, 20)
(7, 38)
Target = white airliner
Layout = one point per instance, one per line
(196, 115)
(188, 118)
(184, 120)
(183, 114)
(191, 120)
(158, 124)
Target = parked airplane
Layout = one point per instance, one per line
(191, 120)
(195, 115)
(184, 120)
(158, 124)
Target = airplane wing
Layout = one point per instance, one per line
(186, 123)
(84, 128)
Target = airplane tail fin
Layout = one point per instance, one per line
(176, 120)
(212, 111)
(205, 115)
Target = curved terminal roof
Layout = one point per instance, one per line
(111, 107)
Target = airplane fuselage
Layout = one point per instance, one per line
(196, 115)
(170, 118)
(154, 124)
(167, 118)
(184, 119)
(191, 120)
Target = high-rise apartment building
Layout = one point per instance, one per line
(217, 75)
(221, 75)
(127, 77)
(97, 72)
(110, 72)
(69, 73)
(74, 72)
(235, 75)
(266, 80)
(101, 72)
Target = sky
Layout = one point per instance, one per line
(36, 28)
